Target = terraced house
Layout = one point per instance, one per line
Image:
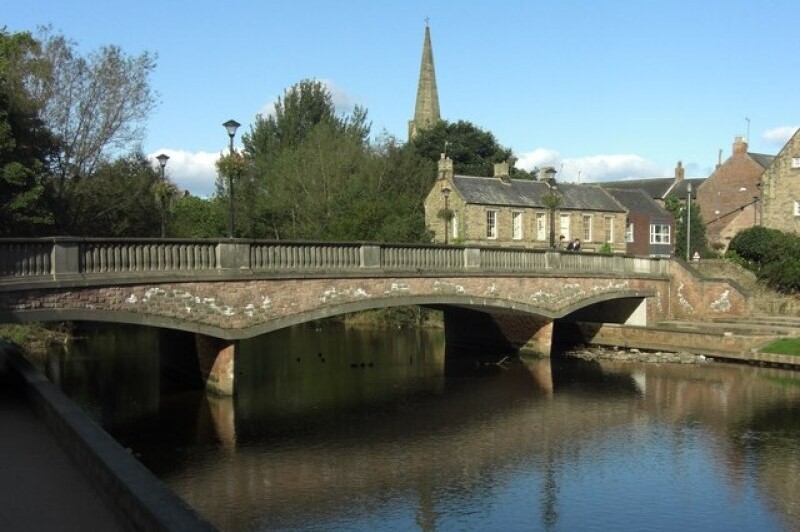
(500, 211)
(780, 186)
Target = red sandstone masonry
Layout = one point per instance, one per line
(244, 304)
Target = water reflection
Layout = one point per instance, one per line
(339, 429)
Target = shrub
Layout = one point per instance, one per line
(753, 245)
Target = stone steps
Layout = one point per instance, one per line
(738, 327)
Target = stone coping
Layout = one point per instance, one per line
(141, 500)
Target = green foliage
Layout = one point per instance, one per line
(774, 255)
(755, 244)
(473, 150)
(445, 214)
(194, 217)
(95, 106)
(551, 200)
(25, 145)
(122, 198)
(605, 249)
(697, 242)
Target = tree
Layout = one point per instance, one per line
(25, 144)
(473, 150)
(95, 106)
(121, 199)
(195, 217)
(698, 242)
(289, 156)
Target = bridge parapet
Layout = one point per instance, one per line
(56, 259)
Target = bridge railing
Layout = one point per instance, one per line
(57, 258)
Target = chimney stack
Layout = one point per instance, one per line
(739, 146)
(445, 167)
(679, 172)
(501, 171)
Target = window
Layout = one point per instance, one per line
(609, 223)
(516, 225)
(541, 226)
(587, 227)
(797, 208)
(454, 225)
(796, 161)
(659, 233)
(629, 232)
(564, 226)
(491, 224)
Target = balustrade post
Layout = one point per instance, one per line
(552, 260)
(65, 258)
(233, 256)
(472, 258)
(370, 256)
(618, 263)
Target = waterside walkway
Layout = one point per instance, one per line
(60, 471)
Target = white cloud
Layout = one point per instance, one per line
(193, 171)
(778, 136)
(343, 101)
(592, 168)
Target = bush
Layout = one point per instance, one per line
(753, 245)
(772, 254)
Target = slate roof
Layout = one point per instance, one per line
(637, 201)
(657, 187)
(525, 193)
(679, 191)
(762, 159)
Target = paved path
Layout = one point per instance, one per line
(41, 488)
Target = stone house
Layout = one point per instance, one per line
(500, 211)
(780, 188)
(728, 198)
(650, 228)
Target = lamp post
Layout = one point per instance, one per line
(551, 200)
(446, 194)
(688, 220)
(162, 161)
(231, 126)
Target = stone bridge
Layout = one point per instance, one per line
(226, 290)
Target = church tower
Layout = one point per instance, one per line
(426, 112)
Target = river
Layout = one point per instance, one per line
(341, 429)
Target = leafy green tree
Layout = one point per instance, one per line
(120, 199)
(473, 150)
(194, 217)
(698, 241)
(25, 144)
(96, 107)
(289, 156)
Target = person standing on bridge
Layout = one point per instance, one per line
(575, 245)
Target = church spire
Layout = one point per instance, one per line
(426, 112)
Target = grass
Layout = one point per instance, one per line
(784, 346)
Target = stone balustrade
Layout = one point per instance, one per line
(60, 258)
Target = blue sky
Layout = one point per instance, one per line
(599, 89)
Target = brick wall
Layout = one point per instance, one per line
(731, 186)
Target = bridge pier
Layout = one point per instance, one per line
(216, 358)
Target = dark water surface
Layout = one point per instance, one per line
(335, 429)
